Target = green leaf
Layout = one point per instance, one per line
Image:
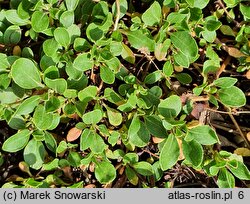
(241, 171)
(132, 177)
(81, 44)
(61, 147)
(130, 158)
(212, 25)
(27, 106)
(50, 47)
(209, 36)
(8, 96)
(4, 64)
(83, 62)
(113, 138)
(107, 75)
(185, 44)
(12, 16)
(193, 152)
(153, 77)
(87, 94)
(210, 66)
(245, 10)
(225, 82)
(204, 135)
(52, 104)
(170, 107)
(152, 16)
(127, 54)
(39, 21)
(62, 37)
(175, 18)
(41, 118)
(225, 179)
(5, 80)
(168, 68)
(97, 144)
(184, 78)
(105, 172)
(85, 139)
(50, 142)
(114, 116)
(59, 85)
(138, 133)
(154, 126)
(17, 141)
(123, 8)
(143, 168)
(51, 165)
(92, 117)
(22, 69)
(227, 30)
(34, 154)
(198, 3)
(113, 97)
(67, 18)
(231, 3)
(12, 35)
(74, 159)
(158, 173)
(94, 32)
(139, 40)
(169, 153)
(161, 50)
(233, 97)
(71, 4)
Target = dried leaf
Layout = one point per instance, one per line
(24, 167)
(90, 186)
(92, 167)
(248, 136)
(157, 140)
(17, 51)
(73, 134)
(245, 152)
(193, 123)
(197, 109)
(248, 74)
(121, 170)
(234, 52)
(181, 157)
(67, 172)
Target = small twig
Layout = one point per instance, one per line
(238, 128)
(224, 112)
(223, 66)
(152, 154)
(230, 130)
(198, 98)
(118, 13)
(228, 14)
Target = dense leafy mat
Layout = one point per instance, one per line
(124, 93)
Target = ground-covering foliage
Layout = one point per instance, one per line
(124, 93)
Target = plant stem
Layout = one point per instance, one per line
(118, 12)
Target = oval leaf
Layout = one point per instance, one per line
(105, 172)
(17, 141)
(204, 134)
(170, 107)
(73, 134)
(25, 74)
(233, 97)
(170, 153)
(34, 154)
